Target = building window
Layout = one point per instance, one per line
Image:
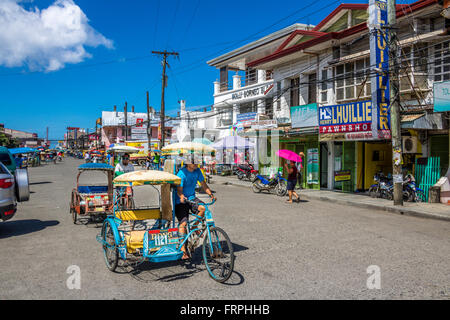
(226, 117)
(442, 61)
(248, 107)
(312, 88)
(278, 98)
(295, 92)
(251, 76)
(352, 80)
(269, 75)
(324, 87)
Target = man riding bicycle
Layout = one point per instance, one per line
(190, 174)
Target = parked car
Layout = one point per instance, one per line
(7, 159)
(8, 204)
(21, 182)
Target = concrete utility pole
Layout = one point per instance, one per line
(164, 84)
(149, 128)
(395, 105)
(126, 122)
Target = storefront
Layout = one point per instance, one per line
(349, 154)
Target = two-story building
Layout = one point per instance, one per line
(323, 75)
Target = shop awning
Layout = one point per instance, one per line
(424, 121)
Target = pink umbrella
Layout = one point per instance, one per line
(289, 155)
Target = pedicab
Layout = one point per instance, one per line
(157, 240)
(93, 201)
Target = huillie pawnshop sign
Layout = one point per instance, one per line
(251, 92)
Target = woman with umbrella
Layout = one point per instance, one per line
(292, 170)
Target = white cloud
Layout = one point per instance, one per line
(45, 39)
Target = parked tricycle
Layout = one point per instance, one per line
(93, 201)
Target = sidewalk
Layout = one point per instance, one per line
(424, 210)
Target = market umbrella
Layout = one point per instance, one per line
(202, 140)
(233, 142)
(189, 148)
(289, 155)
(124, 149)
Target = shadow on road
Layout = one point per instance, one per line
(21, 227)
(147, 272)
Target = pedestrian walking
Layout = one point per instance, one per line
(292, 180)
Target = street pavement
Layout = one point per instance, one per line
(308, 250)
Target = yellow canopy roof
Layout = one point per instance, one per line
(138, 178)
(187, 147)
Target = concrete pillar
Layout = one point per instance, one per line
(216, 87)
(236, 81)
(235, 112)
(261, 75)
(261, 106)
(330, 165)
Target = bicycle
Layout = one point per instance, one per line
(217, 249)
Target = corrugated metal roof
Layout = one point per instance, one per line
(411, 117)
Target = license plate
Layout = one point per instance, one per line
(158, 238)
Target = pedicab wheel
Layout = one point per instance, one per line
(110, 251)
(73, 203)
(218, 255)
(252, 177)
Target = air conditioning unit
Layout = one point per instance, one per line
(409, 144)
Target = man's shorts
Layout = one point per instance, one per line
(182, 210)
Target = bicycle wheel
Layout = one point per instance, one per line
(110, 251)
(218, 255)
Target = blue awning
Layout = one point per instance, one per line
(22, 150)
(96, 166)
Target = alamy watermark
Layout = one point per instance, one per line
(374, 280)
(74, 280)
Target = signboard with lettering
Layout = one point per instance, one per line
(343, 175)
(350, 121)
(245, 117)
(253, 92)
(312, 166)
(304, 116)
(379, 58)
(441, 96)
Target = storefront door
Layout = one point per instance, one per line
(337, 163)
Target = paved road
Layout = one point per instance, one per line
(310, 250)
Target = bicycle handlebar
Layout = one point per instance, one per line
(202, 203)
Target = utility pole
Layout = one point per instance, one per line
(126, 121)
(149, 128)
(164, 84)
(395, 105)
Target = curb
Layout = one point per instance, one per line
(400, 210)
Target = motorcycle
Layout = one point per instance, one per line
(410, 191)
(246, 171)
(383, 188)
(277, 184)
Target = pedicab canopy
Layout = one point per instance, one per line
(96, 166)
(142, 177)
(188, 148)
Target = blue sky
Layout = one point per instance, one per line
(121, 67)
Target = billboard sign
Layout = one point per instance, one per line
(379, 62)
(304, 116)
(441, 96)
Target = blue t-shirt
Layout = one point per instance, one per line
(188, 182)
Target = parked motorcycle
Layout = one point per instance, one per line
(246, 171)
(384, 188)
(410, 191)
(277, 184)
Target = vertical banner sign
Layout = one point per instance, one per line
(379, 62)
(312, 168)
